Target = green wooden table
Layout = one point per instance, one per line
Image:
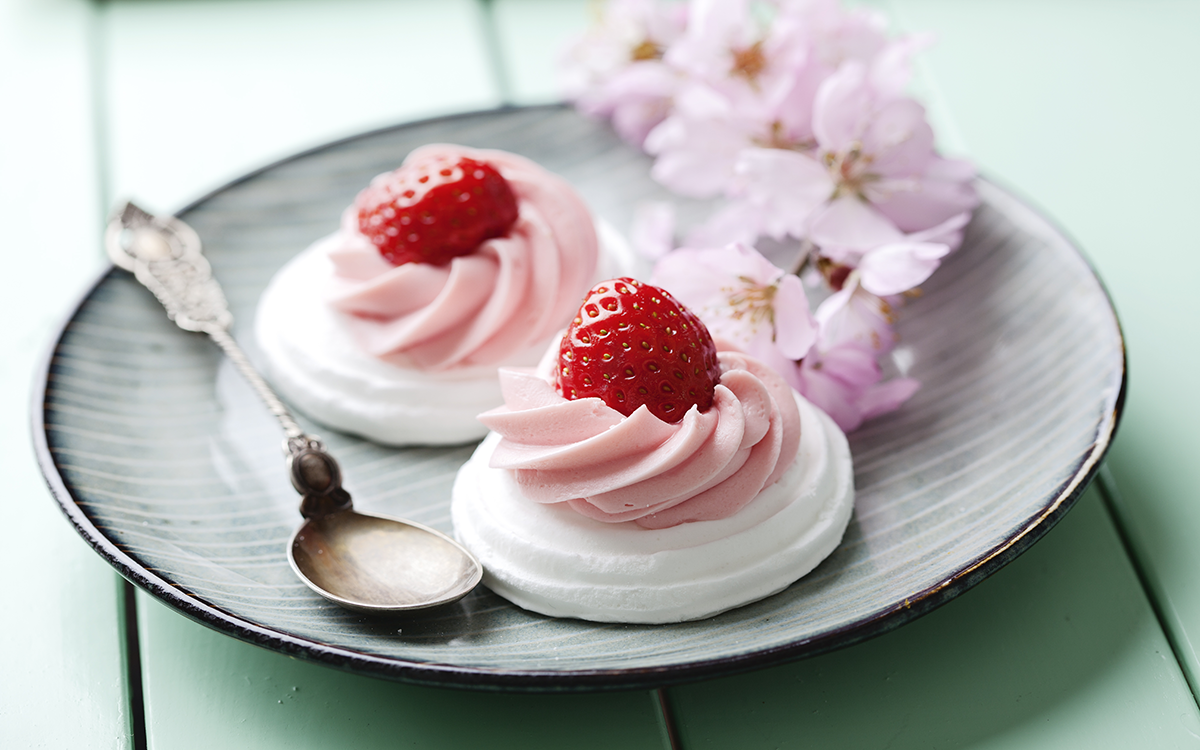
(1088, 109)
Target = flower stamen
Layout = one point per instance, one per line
(779, 138)
(850, 171)
(749, 62)
(647, 50)
(751, 302)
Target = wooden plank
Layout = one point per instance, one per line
(1058, 649)
(63, 641)
(1090, 109)
(200, 91)
(209, 690)
(532, 37)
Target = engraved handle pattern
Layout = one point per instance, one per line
(186, 288)
(164, 254)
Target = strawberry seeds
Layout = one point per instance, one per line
(436, 209)
(633, 344)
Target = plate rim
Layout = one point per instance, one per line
(435, 674)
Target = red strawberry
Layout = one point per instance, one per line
(633, 344)
(435, 209)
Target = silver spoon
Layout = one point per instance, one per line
(363, 562)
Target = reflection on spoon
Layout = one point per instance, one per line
(363, 562)
(356, 556)
(355, 559)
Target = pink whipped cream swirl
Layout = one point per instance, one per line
(482, 308)
(639, 468)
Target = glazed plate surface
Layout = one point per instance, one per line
(166, 463)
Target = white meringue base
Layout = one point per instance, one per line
(552, 560)
(311, 359)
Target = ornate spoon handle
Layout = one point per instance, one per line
(365, 562)
(164, 255)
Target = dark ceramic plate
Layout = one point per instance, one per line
(164, 461)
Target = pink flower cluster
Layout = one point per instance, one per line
(796, 112)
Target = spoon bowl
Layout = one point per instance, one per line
(371, 563)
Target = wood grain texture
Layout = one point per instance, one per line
(209, 690)
(62, 619)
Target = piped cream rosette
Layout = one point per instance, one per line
(408, 354)
(577, 511)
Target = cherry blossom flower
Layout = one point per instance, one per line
(796, 112)
(616, 70)
(698, 145)
(743, 298)
(854, 235)
(830, 35)
(841, 373)
(739, 75)
(872, 145)
(856, 316)
(878, 146)
(844, 380)
(775, 192)
(730, 47)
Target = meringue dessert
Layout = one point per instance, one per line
(588, 501)
(458, 262)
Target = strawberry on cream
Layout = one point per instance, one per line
(408, 354)
(576, 510)
(512, 292)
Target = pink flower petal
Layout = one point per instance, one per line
(698, 146)
(891, 69)
(899, 139)
(887, 396)
(743, 298)
(739, 221)
(694, 277)
(795, 327)
(843, 103)
(943, 191)
(854, 367)
(834, 380)
(652, 232)
(855, 316)
(853, 224)
(786, 185)
(899, 266)
(949, 232)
